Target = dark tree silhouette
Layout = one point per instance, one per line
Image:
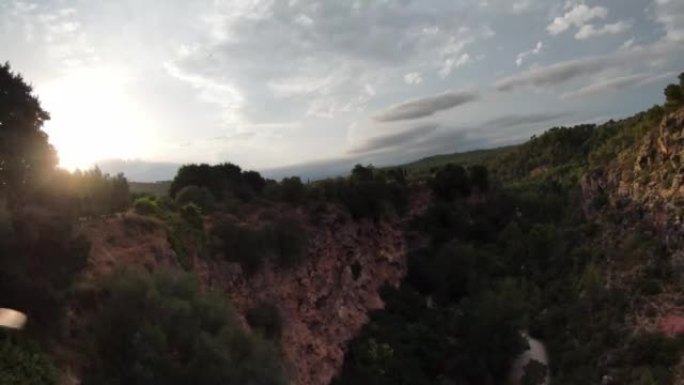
(24, 149)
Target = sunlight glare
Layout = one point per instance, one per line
(94, 117)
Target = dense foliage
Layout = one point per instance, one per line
(23, 362)
(223, 181)
(283, 240)
(159, 329)
(367, 193)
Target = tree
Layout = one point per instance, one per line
(200, 196)
(361, 173)
(673, 97)
(162, 329)
(479, 176)
(24, 149)
(450, 182)
(292, 189)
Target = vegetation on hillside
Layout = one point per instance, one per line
(160, 329)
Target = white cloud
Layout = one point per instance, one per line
(534, 51)
(627, 44)
(577, 15)
(222, 94)
(514, 6)
(300, 86)
(587, 31)
(304, 20)
(452, 63)
(413, 78)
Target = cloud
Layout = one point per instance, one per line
(516, 6)
(391, 141)
(452, 63)
(522, 119)
(577, 15)
(428, 106)
(278, 54)
(587, 31)
(535, 51)
(413, 78)
(563, 72)
(627, 44)
(300, 86)
(670, 13)
(616, 84)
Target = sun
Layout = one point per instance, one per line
(94, 117)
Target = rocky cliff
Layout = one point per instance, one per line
(640, 193)
(323, 302)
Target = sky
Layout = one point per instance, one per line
(316, 86)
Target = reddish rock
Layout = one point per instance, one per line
(322, 305)
(672, 325)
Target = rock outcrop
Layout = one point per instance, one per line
(323, 302)
(642, 192)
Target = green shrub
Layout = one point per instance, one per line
(200, 196)
(161, 329)
(22, 362)
(146, 206)
(241, 243)
(266, 319)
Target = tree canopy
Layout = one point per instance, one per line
(24, 149)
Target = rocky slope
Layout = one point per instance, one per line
(641, 192)
(323, 302)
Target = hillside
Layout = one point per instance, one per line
(424, 167)
(159, 189)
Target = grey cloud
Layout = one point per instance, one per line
(564, 72)
(370, 43)
(391, 141)
(670, 13)
(616, 84)
(519, 119)
(420, 108)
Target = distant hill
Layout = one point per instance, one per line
(159, 189)
(422, 167)
(139, 170)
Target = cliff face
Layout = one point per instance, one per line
(641, 192)
(648, 178)
(323, 302)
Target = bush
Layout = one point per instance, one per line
(160, 329)
(240, 243)
(200, 196)
(289, 241)
(22, 362)
(265, 318)
(146, 206)
(292, 190)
